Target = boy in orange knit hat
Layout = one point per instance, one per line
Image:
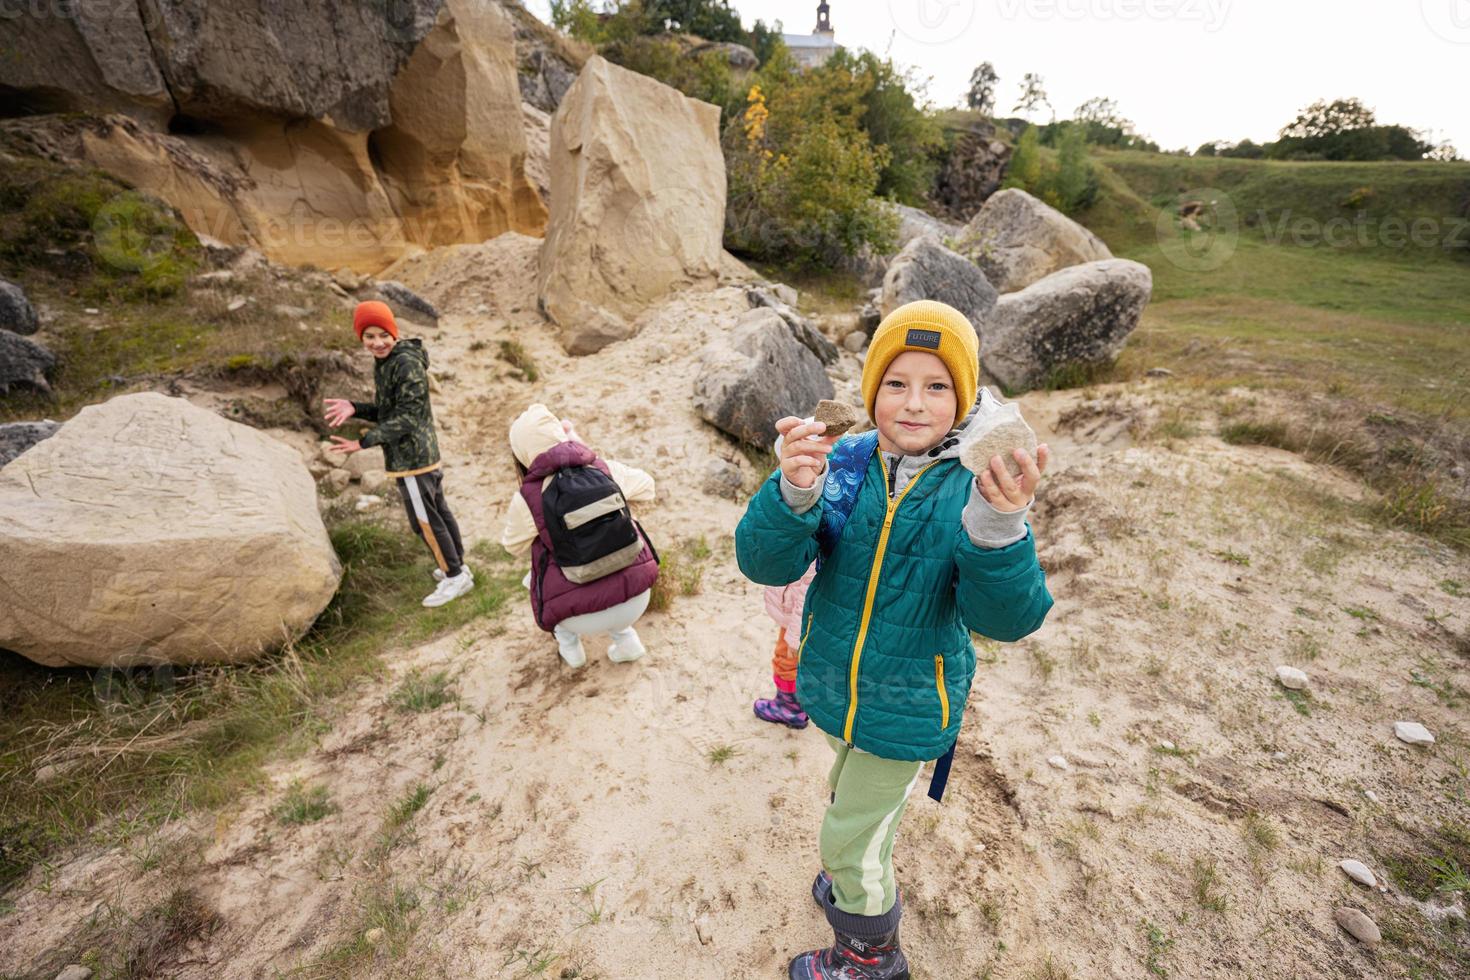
(405, 429)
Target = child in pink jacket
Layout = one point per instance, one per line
(784, 604)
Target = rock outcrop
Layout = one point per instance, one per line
(637, 203)
(756, 375)
(148, 530)
(1081, 315)
(17, 437)
(16, 313)
(24, 362)
(1017, 240)
(925, 269)
(971, 172)
(334, 133)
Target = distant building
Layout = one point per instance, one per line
(812, 50)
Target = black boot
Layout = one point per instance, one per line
(866, 947)
(822, 889)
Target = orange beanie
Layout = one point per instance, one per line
(374, 314)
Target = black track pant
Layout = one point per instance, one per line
(429, 516)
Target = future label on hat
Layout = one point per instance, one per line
(923, 338)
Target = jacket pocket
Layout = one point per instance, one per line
(943, 694)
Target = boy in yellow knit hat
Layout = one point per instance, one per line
(914, 553)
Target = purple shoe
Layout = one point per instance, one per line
(783, 709)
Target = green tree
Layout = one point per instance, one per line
(1033, 95)
(1074, 185)
(981, 94)
(712, 20)
(1024, 170)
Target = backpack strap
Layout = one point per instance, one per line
(847, 467)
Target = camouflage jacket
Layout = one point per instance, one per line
(405, 422)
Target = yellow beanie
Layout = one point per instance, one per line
(934, 328)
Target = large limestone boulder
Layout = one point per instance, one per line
(914, 223)
(637, 203)
(334, 133)
(1080, 315)
(756, 375)
(149, 530)
(1017, 240)
(925, 269)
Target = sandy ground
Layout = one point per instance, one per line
(578, 825)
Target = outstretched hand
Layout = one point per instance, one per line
(803, 450)
(341, 445)
(1008, 493)
(338, 410)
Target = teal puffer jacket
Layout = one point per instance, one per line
(886, 656)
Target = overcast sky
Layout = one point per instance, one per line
(1185, 71)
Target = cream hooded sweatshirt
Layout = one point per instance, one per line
(534, 432)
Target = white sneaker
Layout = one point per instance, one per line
(450, 589)
(439, 573)
(626, 649)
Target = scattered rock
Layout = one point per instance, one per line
(406, 302)
(1359, 926)
(374, 481)
(334, 460)
(1291, 678)
(1413, 733)
(368, 502)
(1278, 756)
(855, 341)
(786, 294)
(914, 223)
(236, 304)
(756, 375)
(338, 480)
(925, 269)
(1081, 315)
(723, 479)
(1167, 745)
(365, 461)
(24, 362)
(801, 328)
(1058, 762)
(637, 199)
(92, 311)
(291, 312)
(373, 936)
(75, 972)
(869, 317)
(223, 557)
(17, 437)
(1159, 372)
(216, 276)
(1371, 796)
(1017, 240)
(704, 930)
(16, 312)
(737, 56)
(1359, 872)
(347, 279)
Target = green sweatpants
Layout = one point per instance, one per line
(869, 796)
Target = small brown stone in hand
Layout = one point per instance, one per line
(838, 417)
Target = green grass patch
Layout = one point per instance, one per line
(681, 573)
(419, 693)
(304, 804)
(512, 353)
(122, 752)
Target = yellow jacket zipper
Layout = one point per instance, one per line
(943, 694)
(857, 649)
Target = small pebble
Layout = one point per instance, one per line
(1413, 733)
(75, 972)
(367, 502)
(1372, 796)
(1291, 678)
(1358, 871)
(704, 930)
(238, 303)
(374, 935)
(92, 311)
(1058, 762)
(1359, 926)
(1167, 745)
(1278, 756)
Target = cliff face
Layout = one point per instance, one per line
(335, 133)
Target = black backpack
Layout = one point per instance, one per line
(592, 530)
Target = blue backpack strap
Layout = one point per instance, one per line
(847, 466)
(940, 778)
